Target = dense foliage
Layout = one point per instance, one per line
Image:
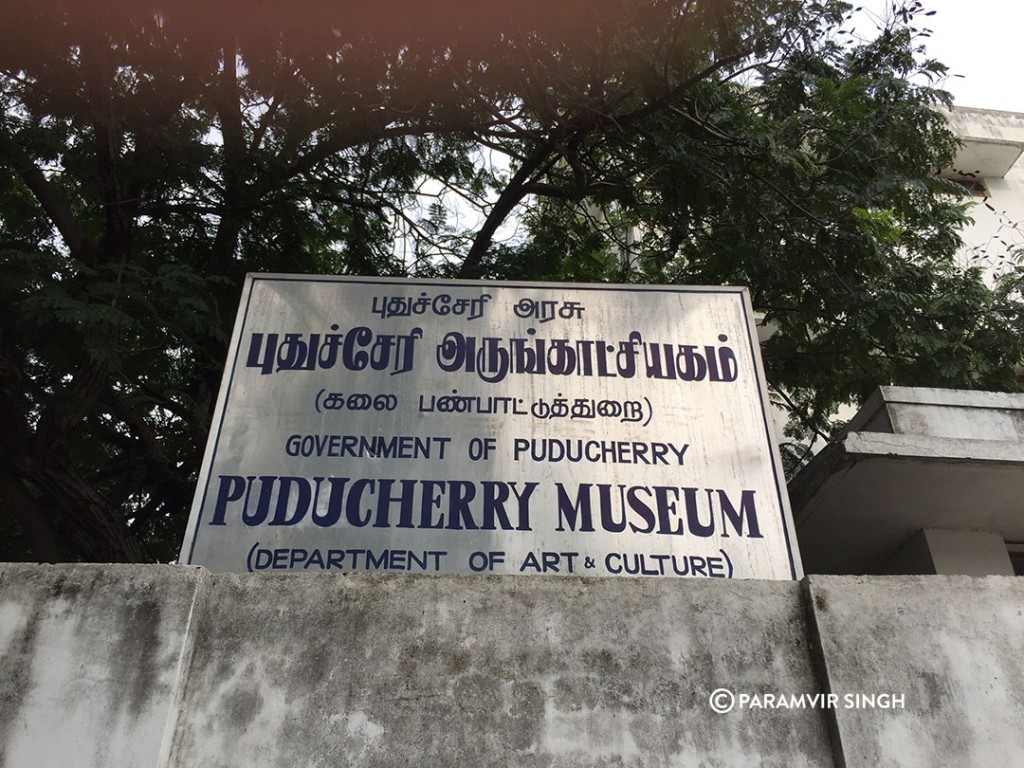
(153, 154)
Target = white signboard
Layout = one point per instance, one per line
(514, 428)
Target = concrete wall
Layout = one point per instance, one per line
(953, 644)
(157, 666)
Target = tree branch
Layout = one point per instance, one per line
(56, 207)
(516, 189)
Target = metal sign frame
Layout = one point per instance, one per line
(477, 427)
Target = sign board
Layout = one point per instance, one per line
(471, 427)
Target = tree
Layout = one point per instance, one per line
(152, 155)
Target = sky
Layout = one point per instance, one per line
(980, 40)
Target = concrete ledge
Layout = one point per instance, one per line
(912, 459)
(948, 449)
(857, 504)
(992, 140)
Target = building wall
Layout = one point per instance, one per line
(991, 154)
(160, 666)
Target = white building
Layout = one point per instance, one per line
(928, 480)
(989, 165)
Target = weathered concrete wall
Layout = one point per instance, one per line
(953, 645)
(90, 662)
(502, 671)
(154, 666)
